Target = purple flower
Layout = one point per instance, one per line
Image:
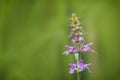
(83, 66)
(71, 49)
(87, 48)
(72, 68)
(78, 40)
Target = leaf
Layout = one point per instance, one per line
(76, 57)
(64, 52)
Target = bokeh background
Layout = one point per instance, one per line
(33, 34)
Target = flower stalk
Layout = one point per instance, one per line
(78, 48)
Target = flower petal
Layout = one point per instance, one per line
(75, 50)
(89, 44)
(72, 68)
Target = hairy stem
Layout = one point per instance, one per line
(78, 76)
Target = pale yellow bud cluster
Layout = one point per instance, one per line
(75, 24)
(74, 21)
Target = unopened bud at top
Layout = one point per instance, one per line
(74, 21)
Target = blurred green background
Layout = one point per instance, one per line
(33, 34)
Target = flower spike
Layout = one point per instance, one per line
(78, 47)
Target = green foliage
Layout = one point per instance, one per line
(33, 34)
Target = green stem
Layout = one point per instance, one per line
(79, 73)
(79, 58)
(78, 76)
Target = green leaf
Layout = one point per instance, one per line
(64, 52)
(76, 57)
